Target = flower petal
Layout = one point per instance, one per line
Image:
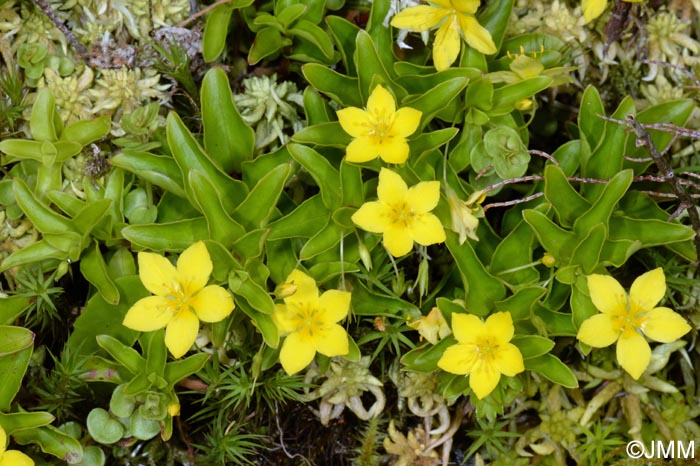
(354, 121)
(381, 102)
(476, 35)
(427, 229)
(394, 150)
(149, 314)
(296, 353)
(212, 304)
(194, 267)
(447, 44)
(483, 379)
(648, 289)
(157, 274)
(306, 291)
(181, 333)
(334, 305)
(362, 149)
(333, 341)
(15, 458)
(458, 359)
(500, 326)
(607, 294)
(282, 319)
(597, 331)
(3, 441)
(633, 353)
(424, 196)
(419, 18)
(509, 360)
(664, 325)
(372, 216)
(397, 241)
(392, 188)
(592, 9)
(467, 328)
(406, 121)
(465, 6)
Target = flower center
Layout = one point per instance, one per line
(486, 349)
(631, 319)
(402, 215)
(381, 126)
(306, 320)
(180, 297)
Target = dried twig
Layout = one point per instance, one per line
(202, 12)
(643, 139)
(48, 11)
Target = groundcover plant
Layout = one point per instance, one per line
(349, 232)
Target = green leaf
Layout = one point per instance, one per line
(495, 18)
(171, 236)
(322, 241)
(36, 252)
(189, 156)
(12, 306)
(342, 89)
(602, 208)
(263, 322)
(241, 284)
(85, 132)
(587, 253)
(226, 134)
(433, 101)
(41, 216)
(222, 227)
(344, 33)
(315, 35)
(123, 354)
(533, 346)
(565, 200)
(555, 240)
(178, 370)
(482, 288)
(323, 134)
(522, 303)
(370, 67)
(513, 252)
(326, 176)
(53, 442)
(590, 124)
(552, 369)
(15, 422)
(94, 269)
(304, 221)
(101, 318)
(259, 205)
(215, 31)
(17, 348)
(45, 122)
(425, 358)
(268, 41)
(160, 170)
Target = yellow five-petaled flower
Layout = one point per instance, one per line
(483, 351)
(181, 298)
(626, 319)
(453, 17)
(402, 214)
(379, 131)
(12, 457)
(310, 322)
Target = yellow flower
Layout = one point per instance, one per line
(432, 327)
(311, 322)
(181, 298)
(402, 214)
(626, 319)
(453, 17)
(594, 8)
(381, 130)
(465, 215)
(12, 457)
(484, 351)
